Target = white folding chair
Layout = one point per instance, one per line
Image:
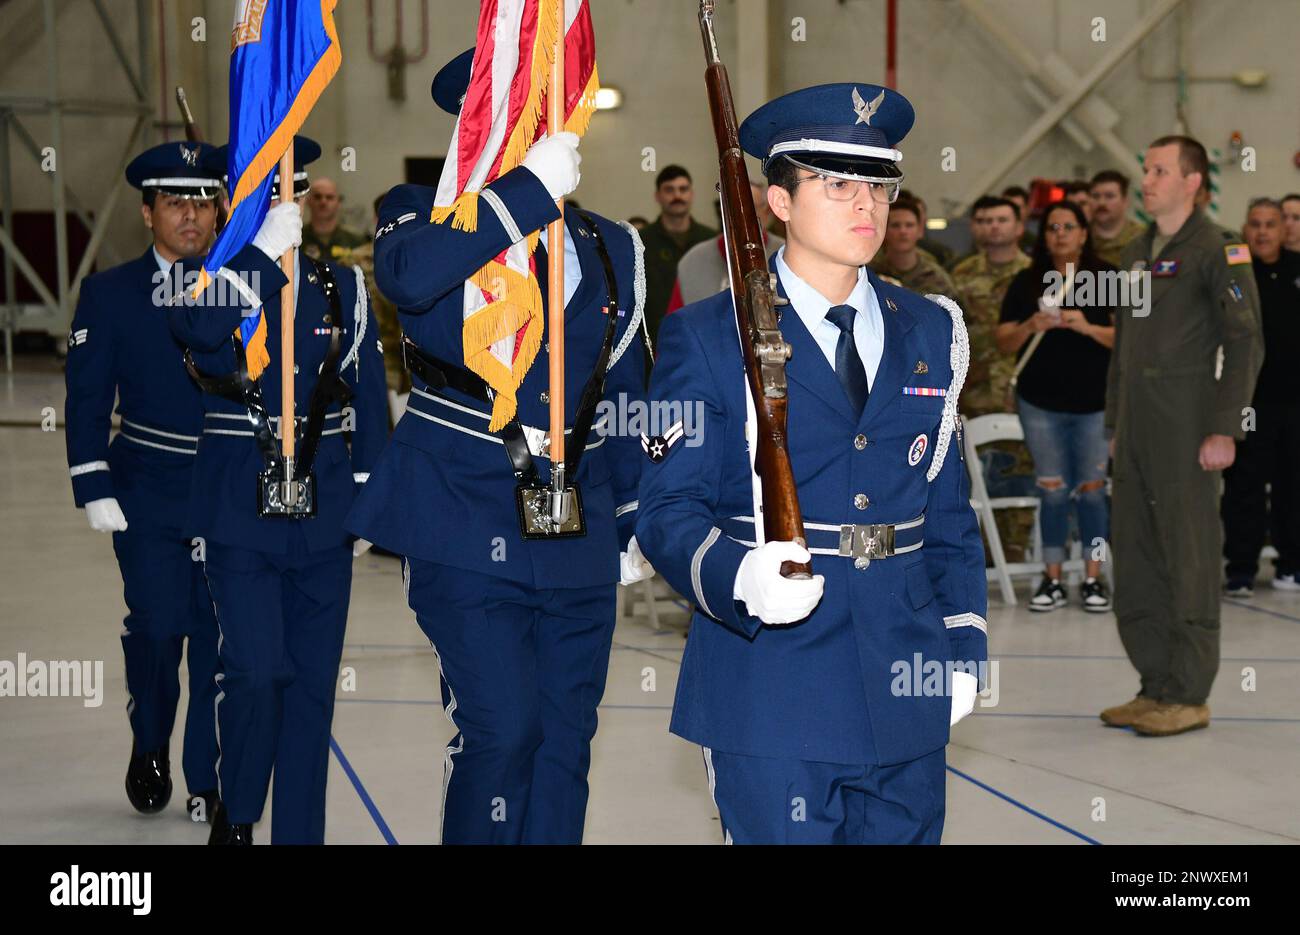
(999, 426)
(644, 597)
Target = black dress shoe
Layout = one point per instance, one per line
(208, 801)
(223, 832)
(149, 781)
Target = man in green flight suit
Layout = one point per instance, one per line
(1175, 429)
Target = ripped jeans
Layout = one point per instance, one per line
(1069, 451)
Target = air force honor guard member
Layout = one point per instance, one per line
(823, 704)
(137, 486)
(281, 580)
(522, 627)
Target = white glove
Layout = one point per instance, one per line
(632, 565)
(964, 689)
(768, 596)
(106, 515)
(360, 547)
(554, 160)
(280, 230)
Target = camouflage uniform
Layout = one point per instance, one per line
(1008, 467)
(1111, 249)
(982, 285)
(335, 248)
(925, 277)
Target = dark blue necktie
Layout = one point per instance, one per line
(848, 365)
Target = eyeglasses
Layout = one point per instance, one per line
(837, 189)
(1058, 228)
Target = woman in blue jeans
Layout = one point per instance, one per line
(1066, 334)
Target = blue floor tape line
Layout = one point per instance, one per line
(1021, 805)
(366, 800)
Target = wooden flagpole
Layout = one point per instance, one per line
(555, 257)
(287, 424)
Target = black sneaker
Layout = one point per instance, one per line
(1239, 587)
(1049, 596)
(1095, 596)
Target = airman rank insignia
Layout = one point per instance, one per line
(1236, 253)
(657, 447)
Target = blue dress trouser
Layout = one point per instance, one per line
(522, 673)
(764, 800)
(167, 603)
(282, 619)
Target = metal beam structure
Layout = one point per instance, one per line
(1016, 152)
(58, 301)
(75, 202)
(1047, 76)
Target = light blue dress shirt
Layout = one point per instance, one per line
(812, 306)
(572, 268)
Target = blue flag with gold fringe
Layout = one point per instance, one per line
(282, 55)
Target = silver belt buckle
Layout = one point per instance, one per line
(867, 541)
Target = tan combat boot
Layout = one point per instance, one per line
(1126, 714)
(1164, 720)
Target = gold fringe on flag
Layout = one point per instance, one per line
(517, 299)
(464, 209)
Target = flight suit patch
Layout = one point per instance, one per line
(1165, 268)
(1236, 253)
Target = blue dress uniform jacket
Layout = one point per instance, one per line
(120, 346)
(443, 490)
(224, 506)
(847, 685)
(281, 586)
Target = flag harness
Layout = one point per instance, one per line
(238, 387)
(532, 495)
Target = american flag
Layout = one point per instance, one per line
(503, 114)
